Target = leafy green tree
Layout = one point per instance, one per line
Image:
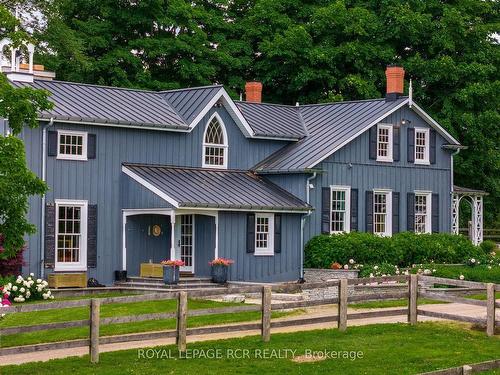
(17, 182)
(303, 50)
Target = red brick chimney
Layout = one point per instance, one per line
(395, 76)
(253, 92)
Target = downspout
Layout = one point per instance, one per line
(302, 226)
(42, 208)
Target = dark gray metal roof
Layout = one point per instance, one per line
(330, 126)
(273, 120)
(102, 104)
(191, 101)
(215, 188)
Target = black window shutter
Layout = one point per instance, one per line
(92, 236)
(250, 233)
(354, 210)
(396, 148)
(91, 146)
(410, 212)
(50, 235)
(52, 143)
(432, 146)
(373, 142)
(277, 233)
(395, 212)
(411, 145)
(435, 213)
(369, 211)
(325, 210)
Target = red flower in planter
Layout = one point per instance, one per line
(173, 263)
(221, 262)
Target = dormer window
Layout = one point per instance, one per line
(215, 144)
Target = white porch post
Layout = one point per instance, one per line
(124, 239)
(477, 219)
(216, 250)
(455, 207)
(172, 235)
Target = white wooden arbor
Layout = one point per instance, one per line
(475, 199)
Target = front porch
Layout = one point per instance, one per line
(153, 235)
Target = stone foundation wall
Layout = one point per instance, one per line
(314, 275)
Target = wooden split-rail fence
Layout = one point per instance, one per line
(266, 325)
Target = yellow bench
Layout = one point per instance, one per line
(151, 270)
(68, 280)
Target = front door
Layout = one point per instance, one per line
(184, 235)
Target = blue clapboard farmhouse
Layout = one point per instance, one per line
(140, 176)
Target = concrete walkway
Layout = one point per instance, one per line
(319, 311)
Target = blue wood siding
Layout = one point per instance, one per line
(204, 246)
(352, 166)
(284, 266)
(100, 181)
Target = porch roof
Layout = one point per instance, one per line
(185, 187)
(468, 191)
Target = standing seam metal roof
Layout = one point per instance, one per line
(103, 104)
(215, 188)
(329, 126)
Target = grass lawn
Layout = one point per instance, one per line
(386, 349)
(402, 302)
(117, 309)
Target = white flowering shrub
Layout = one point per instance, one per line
(27, 289)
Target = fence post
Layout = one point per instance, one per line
(490, 309)
(95, 307)
(412, 299)
(181, 321)
(342, 324)
(266, 314)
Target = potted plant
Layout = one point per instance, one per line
(219, 269)
(171, 271)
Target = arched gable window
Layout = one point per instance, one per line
(215, 144)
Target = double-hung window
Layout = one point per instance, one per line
(421, 146)
(71, 235)
(340, 209)
(264, 234)
(423, 212)
(215, 144)
(382, 212)
(71, 145)
(384, 142)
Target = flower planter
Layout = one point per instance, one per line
(171, 275)
(219, 273)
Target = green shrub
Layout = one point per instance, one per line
(402, 249)
(488, 246)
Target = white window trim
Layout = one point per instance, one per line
(82, 264)
(428, 217)
(388, 226)
(269, 251)
(389, 157)
(347, 216)
(82, 157)
(426, 160)
(225, 146)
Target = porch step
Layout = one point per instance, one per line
(182, 280)
(161, 285)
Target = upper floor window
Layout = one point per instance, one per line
(382, 213)
(340, 209)
(71, 145)
(422, 212)
(384, 142)
(422, 146)
(215, 144)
